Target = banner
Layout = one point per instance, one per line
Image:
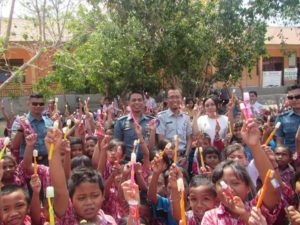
(271, 78)
(290, 73)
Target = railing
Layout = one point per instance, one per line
(16, 90)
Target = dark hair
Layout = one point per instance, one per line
(10, 157)
(75, 141)
(115, 143)
(211, 150)
(215, 100)
(8, 189)
(286, 147)
(84, 174)
(239, 170)
(187, 100)
(36, 95)
(81, 160)
(202, 180)
(293, 87)
(253, 92)
(135, 92)
(93, 138)
(234, 147)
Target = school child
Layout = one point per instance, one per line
(202, 197)
(161, 206)
(283, 158)
(235, 210)
(82, 198)
(90, 143)
(211, 158)
(12, 172)
(15, 205)
(111, 154)
(77, 147)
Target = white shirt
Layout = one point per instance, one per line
(208, 126)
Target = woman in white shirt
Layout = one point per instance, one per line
(211, 122)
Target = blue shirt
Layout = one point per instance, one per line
(290, 122)
(163, 211)
(40, 128)
(171, 125)
(124, 131)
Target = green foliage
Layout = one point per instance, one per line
(157, 43)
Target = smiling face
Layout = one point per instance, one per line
(237, 186)
(136, 103)
(9, 168)
(14, 208)
(210, 107)
(201, 200)
(294, 99)
(36, 106)
(87, 201)
(174, 99)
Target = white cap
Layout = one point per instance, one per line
(246, 96)
(133, 158)
(56, 124)
(6, 141)
(50, 192)
(35, 153)
(223, 184)
(277, 125)
(242, 106)
(69, 122)
(180, 184)
(65, 130)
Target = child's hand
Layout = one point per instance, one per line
(250, 133)
(138, 131)
(65, 146)
(53, 136)
(130, 191)
(104, 143)
(152, 124)
(35, 183)
(31, 140)
(293, 215)
(256, 218)
(270, 155)
(206, 170)
(158, 165)
(116, 169)
(236, 206)
(174, 174)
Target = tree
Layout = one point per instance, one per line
(150, 44)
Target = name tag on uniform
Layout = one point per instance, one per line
(169, 122)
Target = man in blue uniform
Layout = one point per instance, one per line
(124, 129)
(290, 120)
(174, 122)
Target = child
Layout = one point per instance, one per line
(202, 197)
(211, 158)
(76, 147)
(232, 209)
(15, 205)
(12, 172)
(283, 158)
(82, 198)
(90, 144)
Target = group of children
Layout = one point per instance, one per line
(88, 181)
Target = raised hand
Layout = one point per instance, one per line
(35, 183)
(256, 218)
(250, 133)
(31, 140)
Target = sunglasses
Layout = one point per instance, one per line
(38, 103)
(291, 97)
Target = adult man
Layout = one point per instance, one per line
(39, 125)
(255, 105)
(290, 120)
(174, 122)
(124, 129)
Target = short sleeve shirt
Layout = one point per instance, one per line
(124, 130)
(290, 122)
(40, 128)
(170, 125)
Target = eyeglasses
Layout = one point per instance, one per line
(38, 103)
(291, 97)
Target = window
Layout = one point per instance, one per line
(292, 60)
(6, 66)
(273, 64)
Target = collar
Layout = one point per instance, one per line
(31, 118)
(141, 118)
(170, 113)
